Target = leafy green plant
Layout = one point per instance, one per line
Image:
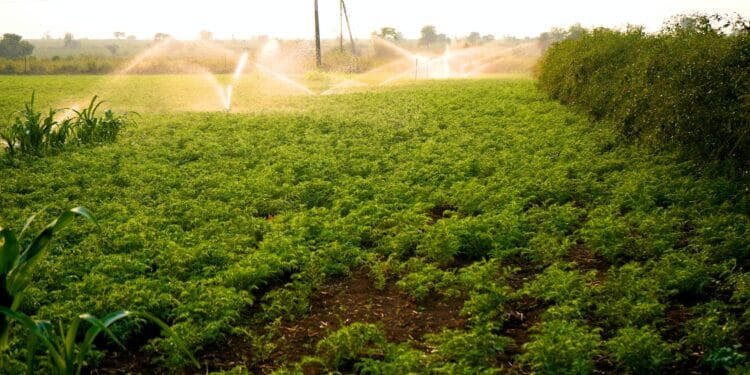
(562, 347)
(725, 358)
(30, 132)
(34, 134)
(17, 264)
(91, 129)
(67, 355)
(568, 290)
(558, 285)
(350, 342)
(714, 334)
(662, 89)
(398, 359)
(423, 278)
(640, 350)
(475, 349)
(630, 297)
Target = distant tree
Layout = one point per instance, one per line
(12, 47)
(429, 35)
(488, 38)
(390, 33)
(119, 34)
(161, 36)
(546, 39)
(474, 38)
(131, 37)
(206, 35)
(112, 48)
(47, 36)
(69, 42)
(576, 31)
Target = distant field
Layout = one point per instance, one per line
(190, 92)
(474, 224)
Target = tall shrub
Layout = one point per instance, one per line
(687, 86)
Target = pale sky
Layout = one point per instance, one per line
(293, 18)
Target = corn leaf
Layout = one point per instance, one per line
(38, 330)
(9, 251)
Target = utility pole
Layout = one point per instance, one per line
(318, 57)
(348, 26)
(341, 25)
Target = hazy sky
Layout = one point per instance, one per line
(293, 18)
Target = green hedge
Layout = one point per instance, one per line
(686, 86)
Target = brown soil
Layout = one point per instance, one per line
(438, 212)
(355, 299)
(586, 260)
(340, 302)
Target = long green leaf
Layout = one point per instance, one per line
(85, 213)
(102, 325)
(30, 351)
(28, 222)
(69, 345)
(168, 332)
(20, 276)
(8, 255)
(38, 330)
(9, 252)
(99, 326)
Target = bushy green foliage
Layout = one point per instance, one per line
(423, 280)
(32, 134)
(640, 350)
(90, 129)
(397, 360)
(630, 297)
(568, 290)
(467, 352)
(562, 347)
(349, 343)
(663, 89)
(713, 334)
(17, 263)
(482, 192)
(66, 354)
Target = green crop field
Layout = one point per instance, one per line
(455, 226)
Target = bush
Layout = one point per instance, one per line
(351, 342)
(398, 359)
(473, 350)
(687, 86)
(640, 350)
(562, 347)
(568, 290)
(629, 296)
(713, 334)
